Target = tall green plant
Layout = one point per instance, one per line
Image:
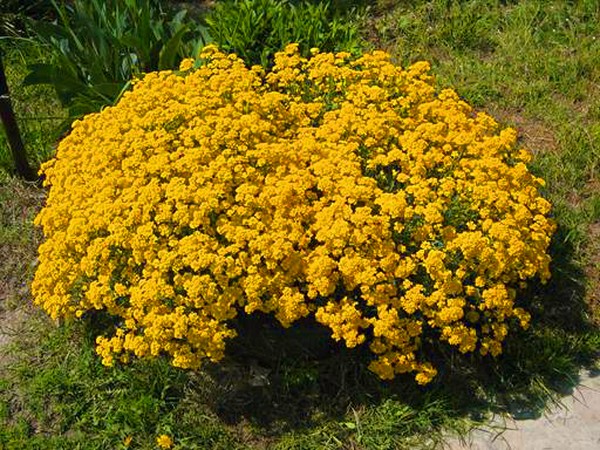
(98, 45)
(13, 14)
(256, 29)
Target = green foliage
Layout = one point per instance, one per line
(37, 109)
(97, 46)
(13, 14)
(74, 402)
(256, 29)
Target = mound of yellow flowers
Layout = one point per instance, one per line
(346, 189)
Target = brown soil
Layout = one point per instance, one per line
(534, 134)
(592, 271)
(19, 202)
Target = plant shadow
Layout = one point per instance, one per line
(289, 379)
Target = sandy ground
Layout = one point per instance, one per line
(574, 426)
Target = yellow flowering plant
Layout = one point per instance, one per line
(164, 441)
(344, 189)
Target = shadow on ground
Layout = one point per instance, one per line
(284, 380)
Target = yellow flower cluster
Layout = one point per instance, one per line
(164, 441)
(346, 189)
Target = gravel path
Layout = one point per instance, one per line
(575, 426)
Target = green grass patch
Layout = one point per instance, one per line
(19, 202)
(57, 395)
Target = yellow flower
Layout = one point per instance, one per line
(164, 441)
(343, 189)
(186, 64)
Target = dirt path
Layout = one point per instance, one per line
(575, 426)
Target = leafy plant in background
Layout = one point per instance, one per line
(13, 14)
(7, 116)
(98, 45)
(256, 29)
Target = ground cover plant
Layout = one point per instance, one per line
(307, 391)
(330, 187)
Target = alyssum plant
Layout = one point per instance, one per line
(339, 188)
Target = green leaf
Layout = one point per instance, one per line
(109, 90)
(178, 19)
(171, 49)
(40, 74)
(46, 29)
(96, 47)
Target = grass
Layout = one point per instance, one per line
(65, 399)
(533, 65)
